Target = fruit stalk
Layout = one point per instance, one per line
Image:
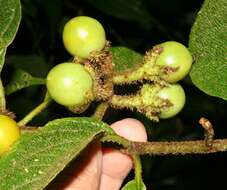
(35, 111)
(138, 170)
(2, 97)
(100, 111)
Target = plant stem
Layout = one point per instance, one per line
(35, 111)
(138, 170)
(145, 70)
(100, 110)
(129, 76)
(2, 91)
(117, 139)
(125, 101)
(184, 147)
(2, 97)
(166, 148)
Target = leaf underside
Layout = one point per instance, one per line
(208, 44)
(38, 157)
(10, 14)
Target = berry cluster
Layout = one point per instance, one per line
(91, 76)
(72, 84)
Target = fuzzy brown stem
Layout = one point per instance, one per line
(184, 147)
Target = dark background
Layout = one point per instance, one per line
(137, 24)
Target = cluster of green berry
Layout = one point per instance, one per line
(73, 84)
(70, 84)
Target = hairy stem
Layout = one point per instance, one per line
(144, 101)
(180, 147)
(124, 101)
(2, 97)
(138, 170)
(128, 76)
(35, 111)
(147, 70)
(100, 110)
(116, 139)
(166, 148)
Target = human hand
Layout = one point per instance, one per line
(105, 168)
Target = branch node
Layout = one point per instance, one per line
(209, 131)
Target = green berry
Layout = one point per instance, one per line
(69, 84)
(82, 35)
(174, 93)
(177, 57)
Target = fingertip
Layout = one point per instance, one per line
(115, 168)
(131, 129)
(117, 165)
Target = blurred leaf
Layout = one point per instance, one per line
(199, 104)
(22, 79)
(34, 64)
(132, 10)
(124, 58)
(52, 10)
(38, 157)
(2, 57)
(208, 43)
(132, 185)
(10, 14)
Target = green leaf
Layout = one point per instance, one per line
(38, 157)
(131, 185)
(10, 14)
(208, 44)
(125, 58)
(33, 64)
(52, 10)
(2, 57)
(22, 79)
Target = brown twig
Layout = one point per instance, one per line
(175, 147)
(184, 147)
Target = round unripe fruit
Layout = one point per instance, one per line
(69, 84)
(9, 133)
(174, 93)
(175, 56)
(82, 35)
